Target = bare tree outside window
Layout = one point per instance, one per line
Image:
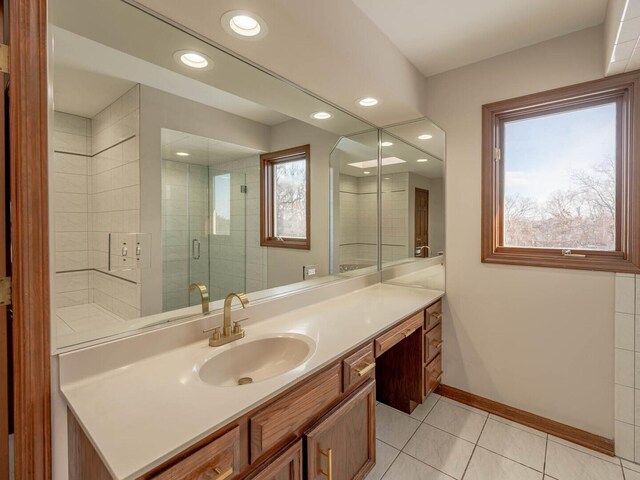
(560, 180)
(290, 199)
(284, 198)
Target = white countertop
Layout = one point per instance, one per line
(142, 414)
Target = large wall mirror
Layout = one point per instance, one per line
(158, 175)
(412, 204)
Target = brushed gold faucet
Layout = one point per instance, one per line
(204, 295)
(228, 334)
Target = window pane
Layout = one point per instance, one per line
(222, 204)
(560, 180)
(290, 199)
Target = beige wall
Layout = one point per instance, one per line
(533, 338)
(284, 265)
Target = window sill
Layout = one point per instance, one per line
(549, 259)
(286, 243)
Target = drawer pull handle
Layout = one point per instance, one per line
(329, 472)
(436, 315)
(364, 370)
(437, 343)
(439, 378)
(222, 475)
(408, 332)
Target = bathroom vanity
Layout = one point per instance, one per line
(320, 425)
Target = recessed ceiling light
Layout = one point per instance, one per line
(195, 60)
(366, 173)
(244, 24)
(386, 144)
(387, 178)
(368, 101)
(182, 154)
(422, 160)
(425, 136)
(321, 115)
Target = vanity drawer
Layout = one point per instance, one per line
(434, 315)
(432, 343)
(217, 460)
(358, 367)
(399, 333)
(433, 375)
(287, 417)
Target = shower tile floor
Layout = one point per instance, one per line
(443, 440)
(86, 317)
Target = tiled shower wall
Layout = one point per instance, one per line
(114, 200)
(627, 366)
(96, 191)
(358, 207)
(71, 144)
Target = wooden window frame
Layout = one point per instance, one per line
(267, 163)
(624, 89)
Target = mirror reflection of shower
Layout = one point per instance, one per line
(207, 187)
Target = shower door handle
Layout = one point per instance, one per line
(195, 249)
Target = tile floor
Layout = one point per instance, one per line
(443, 440)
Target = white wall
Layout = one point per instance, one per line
(534, 338)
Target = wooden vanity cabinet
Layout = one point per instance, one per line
(286, 466)
(341, 446)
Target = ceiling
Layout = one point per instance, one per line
(201, 150)
(437, 35)
(117, 40)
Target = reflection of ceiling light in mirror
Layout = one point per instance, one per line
(244, 24)
(368, 101)
(387, 178)
(321, 115)
(195, 60)
(425, 136)
(366, 173)
(182, 154)
(422, 160)
(386, 144)
(374, 163)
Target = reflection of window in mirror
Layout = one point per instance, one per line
(221, 217)
(284, 202)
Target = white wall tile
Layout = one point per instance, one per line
(625, 331)
(624, 440)
(625, 294)
(624, 367)
(625, 404)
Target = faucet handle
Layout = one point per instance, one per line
(216, 332)
(236, 327)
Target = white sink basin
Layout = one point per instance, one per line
(257, 360)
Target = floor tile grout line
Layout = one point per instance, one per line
(392, 462)
(588, 452)
(425, 463)
(452, 434)
(473, 452)
(544, 463)
(510, 459)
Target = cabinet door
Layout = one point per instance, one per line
(287, 466)
(342, 445)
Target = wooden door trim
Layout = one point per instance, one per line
(30, 237)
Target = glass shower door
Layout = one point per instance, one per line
(227, 245)
(199, 227)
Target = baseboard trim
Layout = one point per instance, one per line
(557, 429)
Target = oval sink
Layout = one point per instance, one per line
(258, 360)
